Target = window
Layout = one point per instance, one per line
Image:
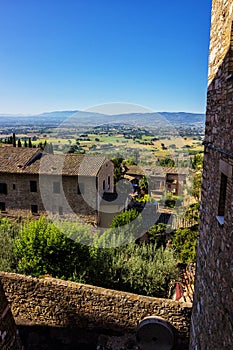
(34, 209)
(109, 181)
(222, 199)
(33, 186)
(2, 206)
(14, 187)
(81, 188)
(56, 187)
(3, 188)
(60, 211)
(104, 185)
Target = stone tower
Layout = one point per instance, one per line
(212, 317)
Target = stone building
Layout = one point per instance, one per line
(212, 318)
(162, 179)
(32, 181)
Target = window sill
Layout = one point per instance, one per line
(220, 220)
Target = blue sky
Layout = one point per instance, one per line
(73, 54)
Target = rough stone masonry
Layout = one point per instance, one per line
(212, 317)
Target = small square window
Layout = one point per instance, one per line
(33, 186)
(56, 187)
(3, 188)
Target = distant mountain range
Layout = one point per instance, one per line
(81, 118)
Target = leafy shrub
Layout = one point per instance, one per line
(185, 240)
(144, 269)
(111, 260)
(124, 218)
(158, 234)
(8, 232)
(171, 201)
(41, 248)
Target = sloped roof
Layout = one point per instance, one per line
(13, 159)
(34, 161)
(135, 170)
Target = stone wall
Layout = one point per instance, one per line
(58, 303)
(9, 339)
(212, 318)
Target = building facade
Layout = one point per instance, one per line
(161, 179)
(35, 182)
(212, 317)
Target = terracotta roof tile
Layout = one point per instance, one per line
(154, 170)
(34, 161)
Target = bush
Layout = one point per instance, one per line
(111, 260)
(137, 268)
(41, 248)
(124, 218)
(8, 232)
(158, 234)
(144, 269)
(171, 201)
(185, 240)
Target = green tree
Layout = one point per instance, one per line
(144, 183)
(117, 168)
(42, 248)
(30, 142)
(192, 213)
(8, 232)
(157, 234)
(184, 241)
(197, 181)
(167, 162)
(143, 269)
(197, 162)
(14, 140)
(124, 218)
(130, 161)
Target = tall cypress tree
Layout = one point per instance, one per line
(14, 140)
(30, 142)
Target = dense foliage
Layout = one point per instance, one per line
(158, 234)
(144, 183)
(139, 268)
(167, 162)
(124, 218)
(69, 250)
(171, 201)
(8, 232)
(42, 249)
(185, 240)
